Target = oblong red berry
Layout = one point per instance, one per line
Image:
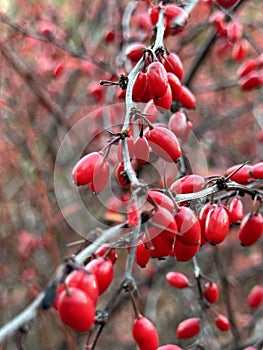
(252, 80)
(164, 143)
(236, 210)
(141, 149)
(183, 252)
(135, 51)
(103, 270)
(187, 98)
(166, 100)
(161, 199)
(211, 292)
(257, 171)
(222, 323)
(217, 225)
(76, 309)
(87, 282)
(145, 334)
(188, 328)
(139, 87)
(251, 229)
(157, 78)
(178, 124)
(83, 171)
(188, 184)
(255, 297)
(242, 176)
(177, 279)
(173, 64)
(164, 222)
(188, 226)
(176, 86)
(142, 254)
(100, 176)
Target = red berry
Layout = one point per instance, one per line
(211, 292)
(178, 124)
(145, 334)
(239, 50)
(100, 176)
(83, 171)
(187, 98)
(188, 226)
(236, 211)
(222, 323)
(161, 245)
(103, 270)
(234, 31)
(161, 199)
(164, 223)
(86, 282)
(242, 176)
(255, 297)
(172, 13)
(226, 3)
(166, 100)
(188, 184)
(183, 252)
(177, 280)
(135, 51)
(217, 225)
(173, 64)
(76, 309)
(252, 80)
(188, 328)
(142, 254)
(203, 215)
(164, 143)
(251, 229)
(247, 67)
(158, 80)
(141, 149)
(140, 87)
(175, 85)
(257, 171)
(154, 14)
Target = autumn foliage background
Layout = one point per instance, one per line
(52, 54)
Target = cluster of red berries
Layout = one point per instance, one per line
(77, 297)
(160, 79)
(231, 34)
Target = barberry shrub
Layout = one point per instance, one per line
(131, 138)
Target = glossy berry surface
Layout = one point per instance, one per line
(211, 292)
(188, 328)
(76, 309)
(145, 334)
(216, 225)
(177, 280)
(222, 323)
(87, 282)
(255, 297)
(164, 143)
(251, 229)
(103, 270)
